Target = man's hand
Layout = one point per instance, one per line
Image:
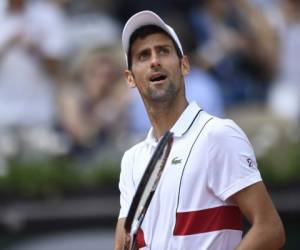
(127, 242)
(122, 239)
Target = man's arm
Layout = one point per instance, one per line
(120, 235)
(266, 230)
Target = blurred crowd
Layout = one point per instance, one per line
(62, 90)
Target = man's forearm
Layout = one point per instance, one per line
(262, 237)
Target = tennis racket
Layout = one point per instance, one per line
(147, 187)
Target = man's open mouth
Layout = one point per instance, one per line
(157, 77)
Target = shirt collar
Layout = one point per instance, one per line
(182, 125)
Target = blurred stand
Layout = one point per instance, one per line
(284, 97)
(236, 44)
(274, 127)
(66, 114)
(33, 46)
(93, 102)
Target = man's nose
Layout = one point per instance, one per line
(155, 60)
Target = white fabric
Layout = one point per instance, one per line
(217, 161)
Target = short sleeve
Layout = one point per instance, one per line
(232, 163)
(126, 184)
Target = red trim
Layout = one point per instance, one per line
(140, 240)
(208, 220)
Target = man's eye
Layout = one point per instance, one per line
(143, 56)
(163, 51)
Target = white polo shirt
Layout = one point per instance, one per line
(211, 159)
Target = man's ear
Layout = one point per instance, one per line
(185, 65)
(129, 78)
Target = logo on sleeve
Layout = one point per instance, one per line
(176, 160)
(251, 163)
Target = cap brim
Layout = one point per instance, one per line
(138, 20)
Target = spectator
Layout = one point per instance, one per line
(31, 49)
(284, 98)
(84, 30)
(93, 101)
(237, 45)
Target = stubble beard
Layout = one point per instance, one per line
(164, 95)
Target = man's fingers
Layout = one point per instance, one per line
(127, 242)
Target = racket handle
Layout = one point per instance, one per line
(133, 242)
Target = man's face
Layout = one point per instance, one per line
(156, 70)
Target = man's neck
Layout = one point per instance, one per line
(164, 115)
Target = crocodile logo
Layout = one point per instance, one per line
(176, 160)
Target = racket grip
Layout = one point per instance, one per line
(132, 245)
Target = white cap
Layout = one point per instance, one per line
(143, 18)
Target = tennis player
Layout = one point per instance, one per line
(211, 177)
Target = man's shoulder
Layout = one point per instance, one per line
(220, 126)
(134, 150)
